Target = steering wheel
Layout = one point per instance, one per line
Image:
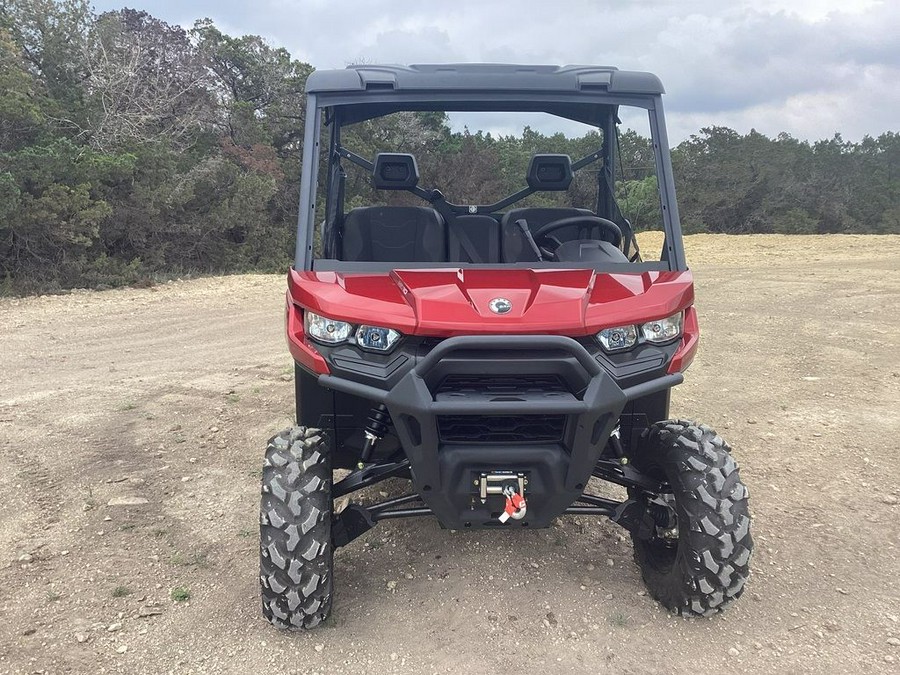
(608, 227)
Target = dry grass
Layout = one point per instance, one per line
(775, 248)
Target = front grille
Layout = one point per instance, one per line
(501, 428)
(502, 385)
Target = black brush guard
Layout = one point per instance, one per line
(445, 471)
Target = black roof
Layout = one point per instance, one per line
(473, 77)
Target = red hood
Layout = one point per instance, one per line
(448, 302)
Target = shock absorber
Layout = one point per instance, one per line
(660, 515)
(376, 428)
(664, 517)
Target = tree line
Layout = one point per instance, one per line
(131, 149)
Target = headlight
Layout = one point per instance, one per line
(377, 338)
(332, 332)
(618, 339)
(663, 330)
(326, 330)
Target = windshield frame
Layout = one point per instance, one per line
(372, 104)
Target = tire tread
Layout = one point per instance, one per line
(296, 553)
(713, 560)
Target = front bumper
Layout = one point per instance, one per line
(446, 467)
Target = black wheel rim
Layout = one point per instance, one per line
(662, 552)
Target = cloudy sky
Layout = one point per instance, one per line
(808, 67)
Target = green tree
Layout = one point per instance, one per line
(639, 203)
(21, 118)
(53, 36)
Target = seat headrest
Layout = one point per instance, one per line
(395, 171)
(550, 173)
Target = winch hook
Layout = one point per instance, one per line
(515, 505)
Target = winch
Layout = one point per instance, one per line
(509, 484)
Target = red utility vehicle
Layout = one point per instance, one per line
(504, 358)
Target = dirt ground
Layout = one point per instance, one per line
(168, 395)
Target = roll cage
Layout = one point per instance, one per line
(593, 96)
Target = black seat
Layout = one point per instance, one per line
(394, 234)
(473, 239)
(513, 245)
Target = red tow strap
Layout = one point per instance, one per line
(515, 506)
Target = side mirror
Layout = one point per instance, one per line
(395, 171)
(549, 173)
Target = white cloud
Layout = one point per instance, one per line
(809, 67)
(866, 104)
(812, 10)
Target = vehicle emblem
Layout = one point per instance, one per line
(500, 305)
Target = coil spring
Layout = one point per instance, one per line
(378, 421)
(661, 515)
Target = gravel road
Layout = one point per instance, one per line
(132, 425)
